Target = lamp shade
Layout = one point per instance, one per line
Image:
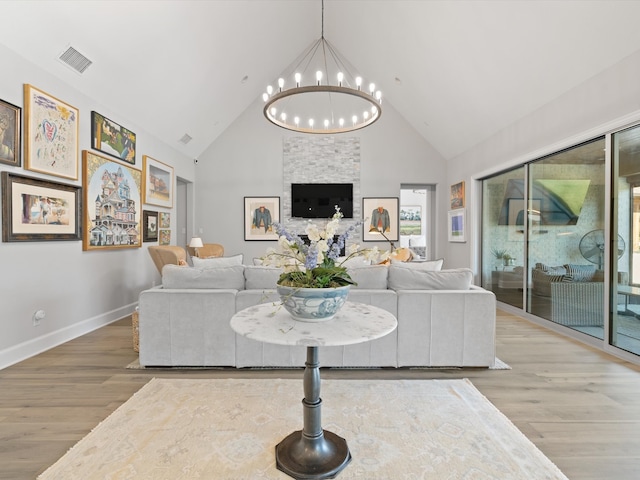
(196, 242)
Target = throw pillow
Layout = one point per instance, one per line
(353, 262)
(217, 262)
(371, 277)
(232, 277)
(428, 266)
(259, 278)
(413, 279)
(581, 273)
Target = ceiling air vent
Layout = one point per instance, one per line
(74, 59)
(186, 138)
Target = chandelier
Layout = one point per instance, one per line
(333, 102)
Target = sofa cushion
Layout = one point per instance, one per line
(369, 277)
(232, 277)
(259, 277)
(428, 266)
(217, 262)
(580, 273)
(401, 278)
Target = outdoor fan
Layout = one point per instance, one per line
(592, 247)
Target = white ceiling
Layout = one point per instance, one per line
(458, 71)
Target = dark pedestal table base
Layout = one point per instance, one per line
(312, 453)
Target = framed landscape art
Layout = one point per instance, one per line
(260, 213)
(113, 208)
(10, 121)
(158, 183)
(39, 210)
(51, 134)
(114, 140)
(149, 226)
(381, 219)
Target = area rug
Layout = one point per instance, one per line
(228, 429)
(135, 365)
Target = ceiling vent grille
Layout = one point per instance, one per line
(186, 138)
(74, 59)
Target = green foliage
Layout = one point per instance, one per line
(320, 277)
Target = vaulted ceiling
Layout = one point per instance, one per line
(457, 71)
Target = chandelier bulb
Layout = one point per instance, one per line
(359, 82)
(281, 83)
(283, 116)
(379, 96)
(265, 97)
(340, 78)
(326, 123)
(298, 78)
(319, 76)
(341, 122)
(269, 89)
(354, 119)
(365, 115)
(296, 120)
(372, 87)
(311, 122)
(273, 112)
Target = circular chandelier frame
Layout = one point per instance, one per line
(274, 100)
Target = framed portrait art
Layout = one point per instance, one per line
(113, 208)
(10, 122)
(381, 219)
(456, 224)
(50, 134)
(149, 226)
(158, 183)
(260, 213)
(39, 210)
(457, 196)
(113, 139)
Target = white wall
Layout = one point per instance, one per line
(247, 160)
(79, 291)
(605, 102)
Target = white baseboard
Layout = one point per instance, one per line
(30, 348)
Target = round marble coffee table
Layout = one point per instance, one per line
(313, 453)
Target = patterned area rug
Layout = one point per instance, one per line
(228, 429)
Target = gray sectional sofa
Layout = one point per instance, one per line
(443, 320)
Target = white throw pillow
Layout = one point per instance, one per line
(232, 277)
(427, 266)
(370, 277)
(217, 262)
(353, 262)
(413, 279)
(259, 278)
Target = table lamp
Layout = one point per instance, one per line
(196, 243)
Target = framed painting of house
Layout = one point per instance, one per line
(51, 134)
(158, 183)
(381, 219)
(39, 210)
(10, 122)
(112, 204)
(260, 213)
(113, 139)
(149, 226)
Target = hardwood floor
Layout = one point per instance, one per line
(580, 406)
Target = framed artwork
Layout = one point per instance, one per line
(411, 220)
(165, 237)
(51, 134)
(113, 209)
(381, 219)
(260, 213)
(457, 196)
(165, 220)
(114, 140)
(10, 116)
(36, 210)
(149, 226)
(158, 183)
(457, 228)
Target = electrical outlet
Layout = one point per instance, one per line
(37, 317)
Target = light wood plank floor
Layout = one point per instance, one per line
(580, 406)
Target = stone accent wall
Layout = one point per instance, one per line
(317, 159)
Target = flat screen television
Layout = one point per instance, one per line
(318, 200)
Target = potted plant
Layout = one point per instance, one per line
(314, 283)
